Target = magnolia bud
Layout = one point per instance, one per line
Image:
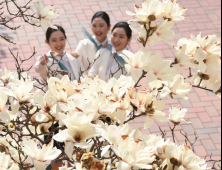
(175, 162)
(150, 111)
(204, 76)
(2, 149)
(176, 61)
(43, 131)
(141, 40)
(87, 155)
(152, 18)
(175, 123)
(11, 126)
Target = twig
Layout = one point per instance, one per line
(191, 143)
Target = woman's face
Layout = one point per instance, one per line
(100, 29)
(57, 42)
(119, 39)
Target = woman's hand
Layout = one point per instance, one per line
(44, 59)
(75, 55)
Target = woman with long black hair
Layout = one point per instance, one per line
(109, 60)
(87, 48)
(56, 40)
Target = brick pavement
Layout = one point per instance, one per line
(203, 16)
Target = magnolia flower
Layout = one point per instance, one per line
(182, 58)
(47, 102)
(206, 60)
(172, 10)
(21, 91)
(4, 114)
(142, 34)
(137, 62)
(113, 138)
(162, 32)
(65, 83)
(3, 99)
(123, 108)
(209, 43)
(176, 87)
(176, 115)
(134, 154)
(79, 130)
(208, 52)
(6, 162)
(146, 102)
(45, 15)
(47, 153)
(182, 158)
(151, 10)
(210, 80)
(61, 91)
(6, 77)
(188, 47)
(159, 70)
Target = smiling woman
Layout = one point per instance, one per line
(109, 63)
(57, 59)
(87, 48)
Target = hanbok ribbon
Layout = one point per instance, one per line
(61, 66)
(91, 39)
(119, 58)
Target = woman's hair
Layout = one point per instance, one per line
(51, 30)
(125, 26)
(103, 15)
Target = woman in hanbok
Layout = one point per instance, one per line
(61, 61)
(109, 63)
(87, 48)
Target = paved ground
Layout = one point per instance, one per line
(203, 15)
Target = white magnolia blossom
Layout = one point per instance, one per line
(20, 90)
(143, 33)
(176, 115)
(7, 163)
(138, 62)
(79, 130)
(7, 76)
(162, 32)
(159, 70)
(172, 10)
(176, 87)
(183, 58)
(45, 14)
(47, 153)
(208, 52)
(183, 158)
(150, 11)
(147, 103)
(4, 114)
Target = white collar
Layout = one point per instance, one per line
(119, 52)
(99, 43)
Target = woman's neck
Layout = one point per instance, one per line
(119, 50)
(101, 41)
